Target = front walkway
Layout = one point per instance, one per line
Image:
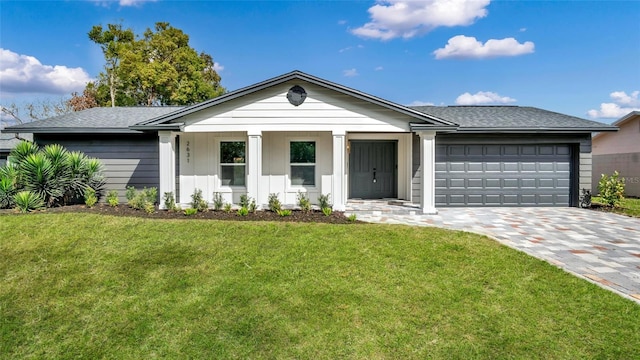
(601, 247)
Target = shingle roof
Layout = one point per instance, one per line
(481, 118)
(100, 119)
(9, 141)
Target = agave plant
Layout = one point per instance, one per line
(38, 175)
(26, 201)
(7, 192)
(21, 151)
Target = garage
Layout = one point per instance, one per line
(503, 174)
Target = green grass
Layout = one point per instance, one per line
(89, 286)
(629, 206)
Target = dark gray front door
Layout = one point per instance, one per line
(373, 169)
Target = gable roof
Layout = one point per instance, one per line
(623, 120)
(165, 121)
(94, 120)
(511, 119)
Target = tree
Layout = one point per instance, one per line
(85, 101)
(159, 68)
(115, 43)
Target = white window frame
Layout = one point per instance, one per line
(221, 164)
(314, 164)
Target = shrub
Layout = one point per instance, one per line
(150, 195)
(90, 198)
(303, 201)
(274, 202)
(611, 189)
(227, 207)
(218, 202)
(149, 208)
(327, 211)
(7, 192)
(253, 206)
(112, 198)
(169, 201)
(198, 202)
(352, 217)
(323, 201)
(131, 193)
(28, 201)
(284, 212)
(243, 211)
(190, 211)
(244, 200)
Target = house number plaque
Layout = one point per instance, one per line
(188, 152)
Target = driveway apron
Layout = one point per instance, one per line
(600, 247)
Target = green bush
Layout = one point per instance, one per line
(169, 201)
(304, 202)
(611, 189)
(227, 207)
(198, 202)
(90, 198)
(243, 211)
(352, 217)
(218, 202)
(26, 201)
(7, 192)
(244, 200)
(131, 193)
(323, 201)
(149, 208)
(55, 174)
(274, 202)
(112, 198)
(327, 211)
(283, 212)
(190, 211)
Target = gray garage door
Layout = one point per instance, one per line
(503, 175)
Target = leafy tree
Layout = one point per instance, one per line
(159, 68)
(115, 42)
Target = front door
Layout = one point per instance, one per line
(373, 168)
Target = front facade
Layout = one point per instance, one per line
(620, 152)
(298, 133)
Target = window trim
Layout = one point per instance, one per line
(220, 164)
(290, 183)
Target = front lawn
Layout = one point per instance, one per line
(92, 286)
(629, 206)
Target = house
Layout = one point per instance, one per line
(7, 142)
(299, 133)
(619, 151)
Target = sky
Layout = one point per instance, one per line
(580, 58)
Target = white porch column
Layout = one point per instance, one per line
(428, 171)
(167, 165)
(338, 187)
(254, 164)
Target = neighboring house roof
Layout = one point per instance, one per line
(165, 121)
(94, 120)
(512, 119)
(9, 141)
(623, 120)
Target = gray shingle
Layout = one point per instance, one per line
(97, 119)
(503, 117)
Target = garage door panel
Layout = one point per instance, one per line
(503, 175)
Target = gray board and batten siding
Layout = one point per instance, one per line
(129, 159)
(501, 170)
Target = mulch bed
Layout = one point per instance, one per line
(336, 217)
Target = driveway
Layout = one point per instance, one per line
(601, 247)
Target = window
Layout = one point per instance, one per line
(302, 157)
(232, 163)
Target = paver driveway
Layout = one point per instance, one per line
(601, 247)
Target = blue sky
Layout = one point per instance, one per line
(575, 57)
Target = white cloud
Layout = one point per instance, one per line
(379, 68)
(25, 74)
(622, 105)
(392, 19)
(468, 47)
(483, 97)
(350, 73)
(523, 29)
(217, 67)
(421, 103)
(123, 3)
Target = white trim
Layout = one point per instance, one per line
(254, 162)
(289, 186)
(428, 171)
(217, 164)
(167, 164)
(339, 188)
